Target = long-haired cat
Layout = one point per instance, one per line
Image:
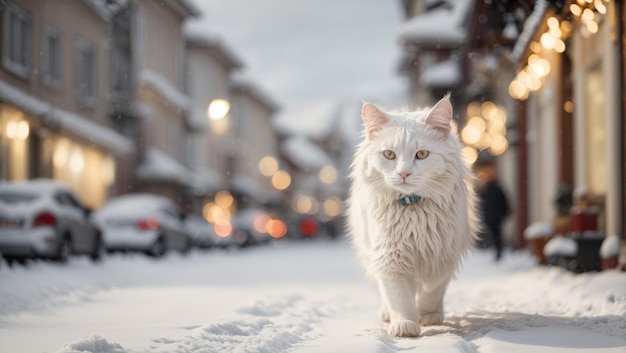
(411, 211)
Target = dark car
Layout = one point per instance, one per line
(44, 219)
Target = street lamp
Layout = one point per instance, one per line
(217, 112)
(218, 109)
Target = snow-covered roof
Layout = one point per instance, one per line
(443, 25)
(314, 120)
(304, 153)
(241, 83)
(158, 166)
(74, 124)
(206, 181)
(442, 75)
(530, 27)
(185, 8)
(165, 89)
(34, 186)
(197, 33)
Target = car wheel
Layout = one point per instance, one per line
(98, 250)
(64, 250)
(158, 248)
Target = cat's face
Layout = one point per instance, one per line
(407, 149)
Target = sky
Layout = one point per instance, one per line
(315, 50)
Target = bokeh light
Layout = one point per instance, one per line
(224, 199)
(218, 109)
(223, 228)
(281, 180)
(328, 174)
(268, 165)
(276, 228)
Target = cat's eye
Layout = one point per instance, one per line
(389, 154)
(421, 154)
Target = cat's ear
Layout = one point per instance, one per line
(373, 118)
(440, 116)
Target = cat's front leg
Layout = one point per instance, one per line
(430, 304)
(399, 294)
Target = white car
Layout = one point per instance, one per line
(143, 222)
(42, 218)
(203, 234)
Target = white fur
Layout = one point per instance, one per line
(411, 251)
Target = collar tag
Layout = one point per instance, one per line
(410, 199)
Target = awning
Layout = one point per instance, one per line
(74, 124)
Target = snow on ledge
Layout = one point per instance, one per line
(161, 167)
(304, 153)
(561, 246)
(76, 125)
(163, 87)
(444, 74)
(539, 230)
(440, 26)
(610, 247)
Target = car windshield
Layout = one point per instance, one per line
(14, 197)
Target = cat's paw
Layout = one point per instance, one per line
(383, 314)
(427, 319)
(404, 328)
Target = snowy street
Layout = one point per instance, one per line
(298, 297)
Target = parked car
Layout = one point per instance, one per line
(143, 222)
(249, 227)
(203, 234)
(43, 218)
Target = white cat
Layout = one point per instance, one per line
(411, 211)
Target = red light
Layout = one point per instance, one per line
(148, 224)
(45, 219)
(308, 227)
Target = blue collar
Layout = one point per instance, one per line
(410, 199)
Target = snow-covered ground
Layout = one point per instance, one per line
(298, 297)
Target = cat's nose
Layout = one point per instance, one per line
(404, 175)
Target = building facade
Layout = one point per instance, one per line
(54, 93)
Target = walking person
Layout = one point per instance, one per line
(494, 204)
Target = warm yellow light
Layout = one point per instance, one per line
(281, 180)
(212, 213)
(540, 67)
(484, 141)
(478, 123)
(497, 127)
(224, 199)
(302, 204)
(575, 10)
(566, 28)
(276, 228)
(553, 22)
(22, 130)
(260, 223)
(77, 160)
(592, 27)
(218, 109)
(555, 32)
(11, 129)
(535, 47)
(469, 154)
(268, 165)
(547, 40)
(599, 5)
(473, 109)
(470, 134)
(518, 90)
(587, 15)
(61, 153)
(108, 171)
(559, 46)
(223, 228)
(568, 106)
(333, 206)
(499, 145)
(328, 174)
(487, 109)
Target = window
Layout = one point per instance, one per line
(51, 57)
(85, 63)
(17, 40)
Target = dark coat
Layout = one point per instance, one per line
(493, 203)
